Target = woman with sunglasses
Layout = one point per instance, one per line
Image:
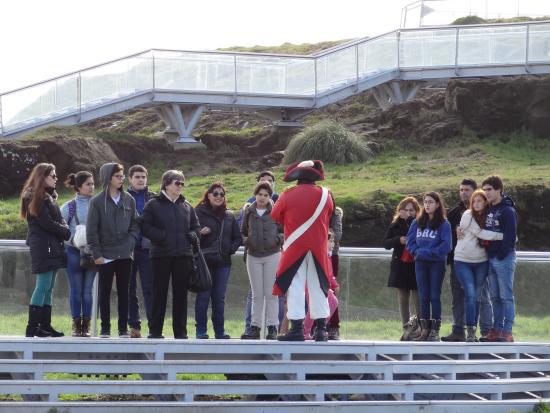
(429, 241)
(220, 237)
(402, 276)
(46, 232)
(171, 224)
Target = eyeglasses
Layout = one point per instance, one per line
(119, 176)
(179, 183)
(54, 176)
(217, 194)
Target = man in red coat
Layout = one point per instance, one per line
(304, 210)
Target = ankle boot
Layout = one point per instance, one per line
(435, 325)
(46, 322)
(254, 334)
(295, 333)
(77, 327)
(471, 337)
(86, 327)
(321, 330)
(271, 333)
(425, 330)
(33, 327)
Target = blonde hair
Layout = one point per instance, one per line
(403, 204)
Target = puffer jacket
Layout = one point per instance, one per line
(265, 236)
(46, 233)
(231, 240)
(111, 229)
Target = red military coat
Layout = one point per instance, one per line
(294, 207)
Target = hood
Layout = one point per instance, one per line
(105, 173)
(506, 202)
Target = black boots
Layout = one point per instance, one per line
(320, 330)
(46, 323)
(77, 327)
(435, 325)
(457, 335)
(271, 333)
(253, 334)
(296, 332)
(33, 327)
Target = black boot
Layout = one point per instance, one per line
(271, 333)
(254, 334)
(425, 330)
(86, 327)
(321, 330)
(33, 326)
(46, 322)
(296, 332)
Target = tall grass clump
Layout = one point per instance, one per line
(328, 141)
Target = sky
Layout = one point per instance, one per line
(44, 39)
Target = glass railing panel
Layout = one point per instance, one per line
(336, 70)
(116, 80)
(427, 48)
(378, 55)
(491, 45)
(194, 71)
(539, 43)
(274, 75)
(40, 103)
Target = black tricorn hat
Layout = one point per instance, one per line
(305, 171)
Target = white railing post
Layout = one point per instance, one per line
(356, 67)
(234, 78)
(456, 50)
(315, 82)
(527, 34)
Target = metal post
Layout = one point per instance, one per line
(79, 94)
(456, 51)
(153, 69)
(348, 267)
(95, 304)
(398, 50)
(315, 81)
(235, 78)
(527, 33)
(356, 67)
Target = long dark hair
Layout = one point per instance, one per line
(439, 214)
(35, 189)
(481, 216)
(206, 202)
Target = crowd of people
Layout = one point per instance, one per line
(291, 243)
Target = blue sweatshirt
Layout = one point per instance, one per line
(502, 218)
(430, 244)
(82, 204)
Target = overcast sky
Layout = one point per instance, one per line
(43, 39)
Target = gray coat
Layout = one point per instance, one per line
(265, 236)
(111, 229)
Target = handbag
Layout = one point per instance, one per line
(406, 256)
(201, 280)
(79, 241)
(213, 253)
(87, 261)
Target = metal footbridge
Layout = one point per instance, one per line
(180, 84)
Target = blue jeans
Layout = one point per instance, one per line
(142, 264)
(220, 278)
(81, 282)
(472, 278)
(501, 285)
(429, 279)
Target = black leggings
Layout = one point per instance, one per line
(122, 270)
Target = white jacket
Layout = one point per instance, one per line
(468, 248)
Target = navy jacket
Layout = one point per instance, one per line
(430, 244)
(502, 218)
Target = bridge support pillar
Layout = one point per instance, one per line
(395, 92)
(285, 117)
(181, 119)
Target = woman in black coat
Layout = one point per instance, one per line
(220, 238)
(402, 274)
(46, 232)
(171, 224)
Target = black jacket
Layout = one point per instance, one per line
(453, 216)
(232, 238)
(167, 224)
(45, 236)
(401, 274)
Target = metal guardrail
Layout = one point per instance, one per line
(506, 49)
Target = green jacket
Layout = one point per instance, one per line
(111, 229)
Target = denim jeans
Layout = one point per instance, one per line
(220, 278)
(429, 279)
(501, 285)
(472, 278)
(81, 282)
(142, 264)
(485, 309)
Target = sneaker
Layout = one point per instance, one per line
(506, 337)
(202, 336)
(223, 337)
(159, 336)
(135, 333)
(124, 334)
(105, 334)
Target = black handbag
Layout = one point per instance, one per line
(87, 262)
(201, 280)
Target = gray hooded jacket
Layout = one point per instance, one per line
(111, 229)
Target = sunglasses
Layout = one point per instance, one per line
(217, 194)
(179, 183)
(54, 176)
